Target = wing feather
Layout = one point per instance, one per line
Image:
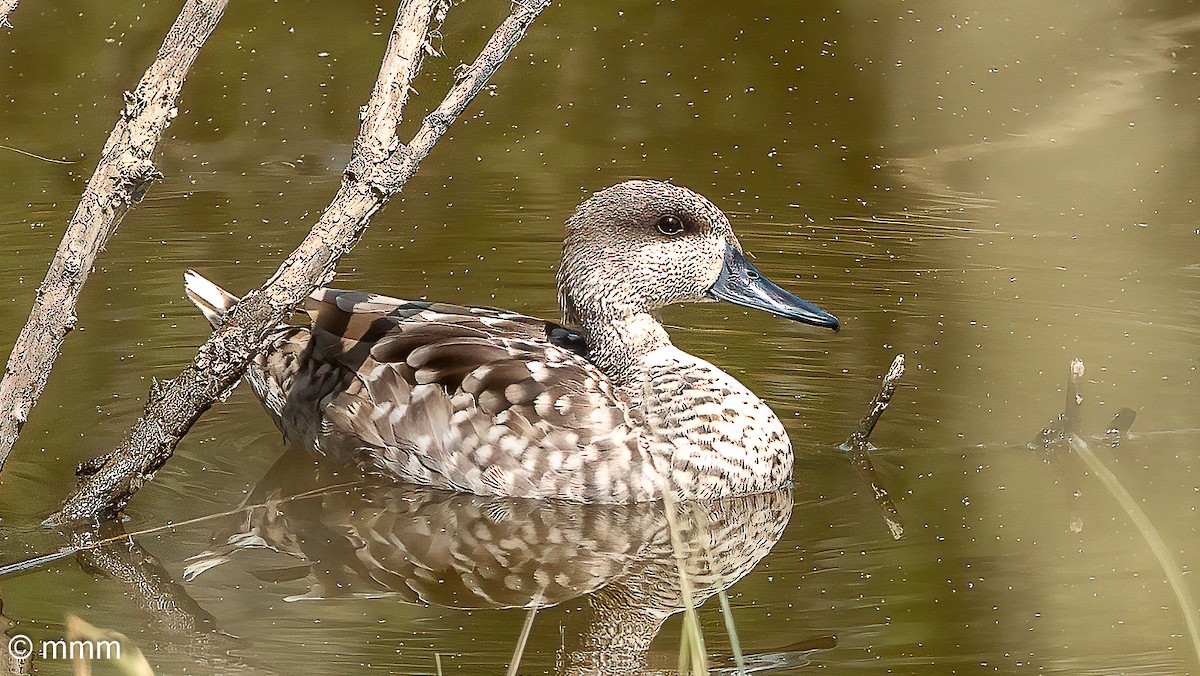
(472, 399)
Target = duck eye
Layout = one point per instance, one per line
(670, 225)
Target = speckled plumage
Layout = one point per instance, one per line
(604, 409)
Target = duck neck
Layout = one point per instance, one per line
(618, 341)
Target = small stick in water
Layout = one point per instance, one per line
(1118, 429)
(1071, 411)
(1055, 435)
(1053, 442)
(857, 445)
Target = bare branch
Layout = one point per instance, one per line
(6, 8)
(124, 173)
(879, 404)
(379, 167)
(857, 445)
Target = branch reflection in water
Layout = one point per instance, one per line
(177, 623)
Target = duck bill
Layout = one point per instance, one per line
(742, 284)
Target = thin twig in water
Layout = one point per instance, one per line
(857, 445)
(1054, 437)
(1053, 441)
(34, 155)
(379, 166)
(1073, 409)
(33, 562)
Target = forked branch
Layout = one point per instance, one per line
(379, 167)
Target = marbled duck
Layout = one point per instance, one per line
(601, 408)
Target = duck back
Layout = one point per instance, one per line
(464, 398)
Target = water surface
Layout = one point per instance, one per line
(990, 191)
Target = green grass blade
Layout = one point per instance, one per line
(519, 651)
(1149, 533)
(738, 658)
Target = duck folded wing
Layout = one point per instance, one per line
(472, 399)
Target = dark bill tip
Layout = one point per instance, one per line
(742, 284)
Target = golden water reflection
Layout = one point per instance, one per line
(991, 190)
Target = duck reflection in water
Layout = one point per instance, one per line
(464, 551)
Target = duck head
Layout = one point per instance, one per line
(639, 246)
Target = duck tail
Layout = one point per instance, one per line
(212, 300)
